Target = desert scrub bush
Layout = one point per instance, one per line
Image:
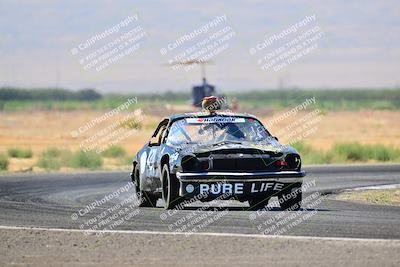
(132, 123)
(20, 153)
(53, 159)
(351, 151)
(53, 152)
(3, 162)
(88, 160)
(310, 155)
(359, 152)
(114, 152)
(303, 148)
(49, 163)
(382, 153)
(347, 152)
(125, 161)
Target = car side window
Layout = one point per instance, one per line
(158, 133)
(175, 136)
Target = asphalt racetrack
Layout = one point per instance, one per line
(61, 201)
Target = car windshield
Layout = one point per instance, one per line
(216, 129)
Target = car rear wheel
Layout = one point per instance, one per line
(170, 189)
(290, 198)
(146, 199)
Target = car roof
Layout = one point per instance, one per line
(208, 114)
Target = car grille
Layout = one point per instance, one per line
(243, 164)
(239, 161)
(235, 162)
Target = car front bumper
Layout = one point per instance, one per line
(239, 184)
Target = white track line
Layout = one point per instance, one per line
(374, 187)
(200, 234)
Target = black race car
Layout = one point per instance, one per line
(204, 156)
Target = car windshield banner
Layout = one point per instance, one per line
(215, 120)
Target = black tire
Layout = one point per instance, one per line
(146, 199)
(290, 198)
(170, 189)
(258, 203)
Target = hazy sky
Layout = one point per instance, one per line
(360, 45)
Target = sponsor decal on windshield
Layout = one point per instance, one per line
(215, 120)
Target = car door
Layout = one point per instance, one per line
(154, 156)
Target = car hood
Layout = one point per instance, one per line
(272, 146)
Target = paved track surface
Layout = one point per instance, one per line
(35, 247)
(53, 200)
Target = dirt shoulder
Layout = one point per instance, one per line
(381, 197)
(55, 248)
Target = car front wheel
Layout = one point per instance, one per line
(146, 199)
(170, 189)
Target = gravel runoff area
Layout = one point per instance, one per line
(34, 247)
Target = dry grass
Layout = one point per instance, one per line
(381, 197)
